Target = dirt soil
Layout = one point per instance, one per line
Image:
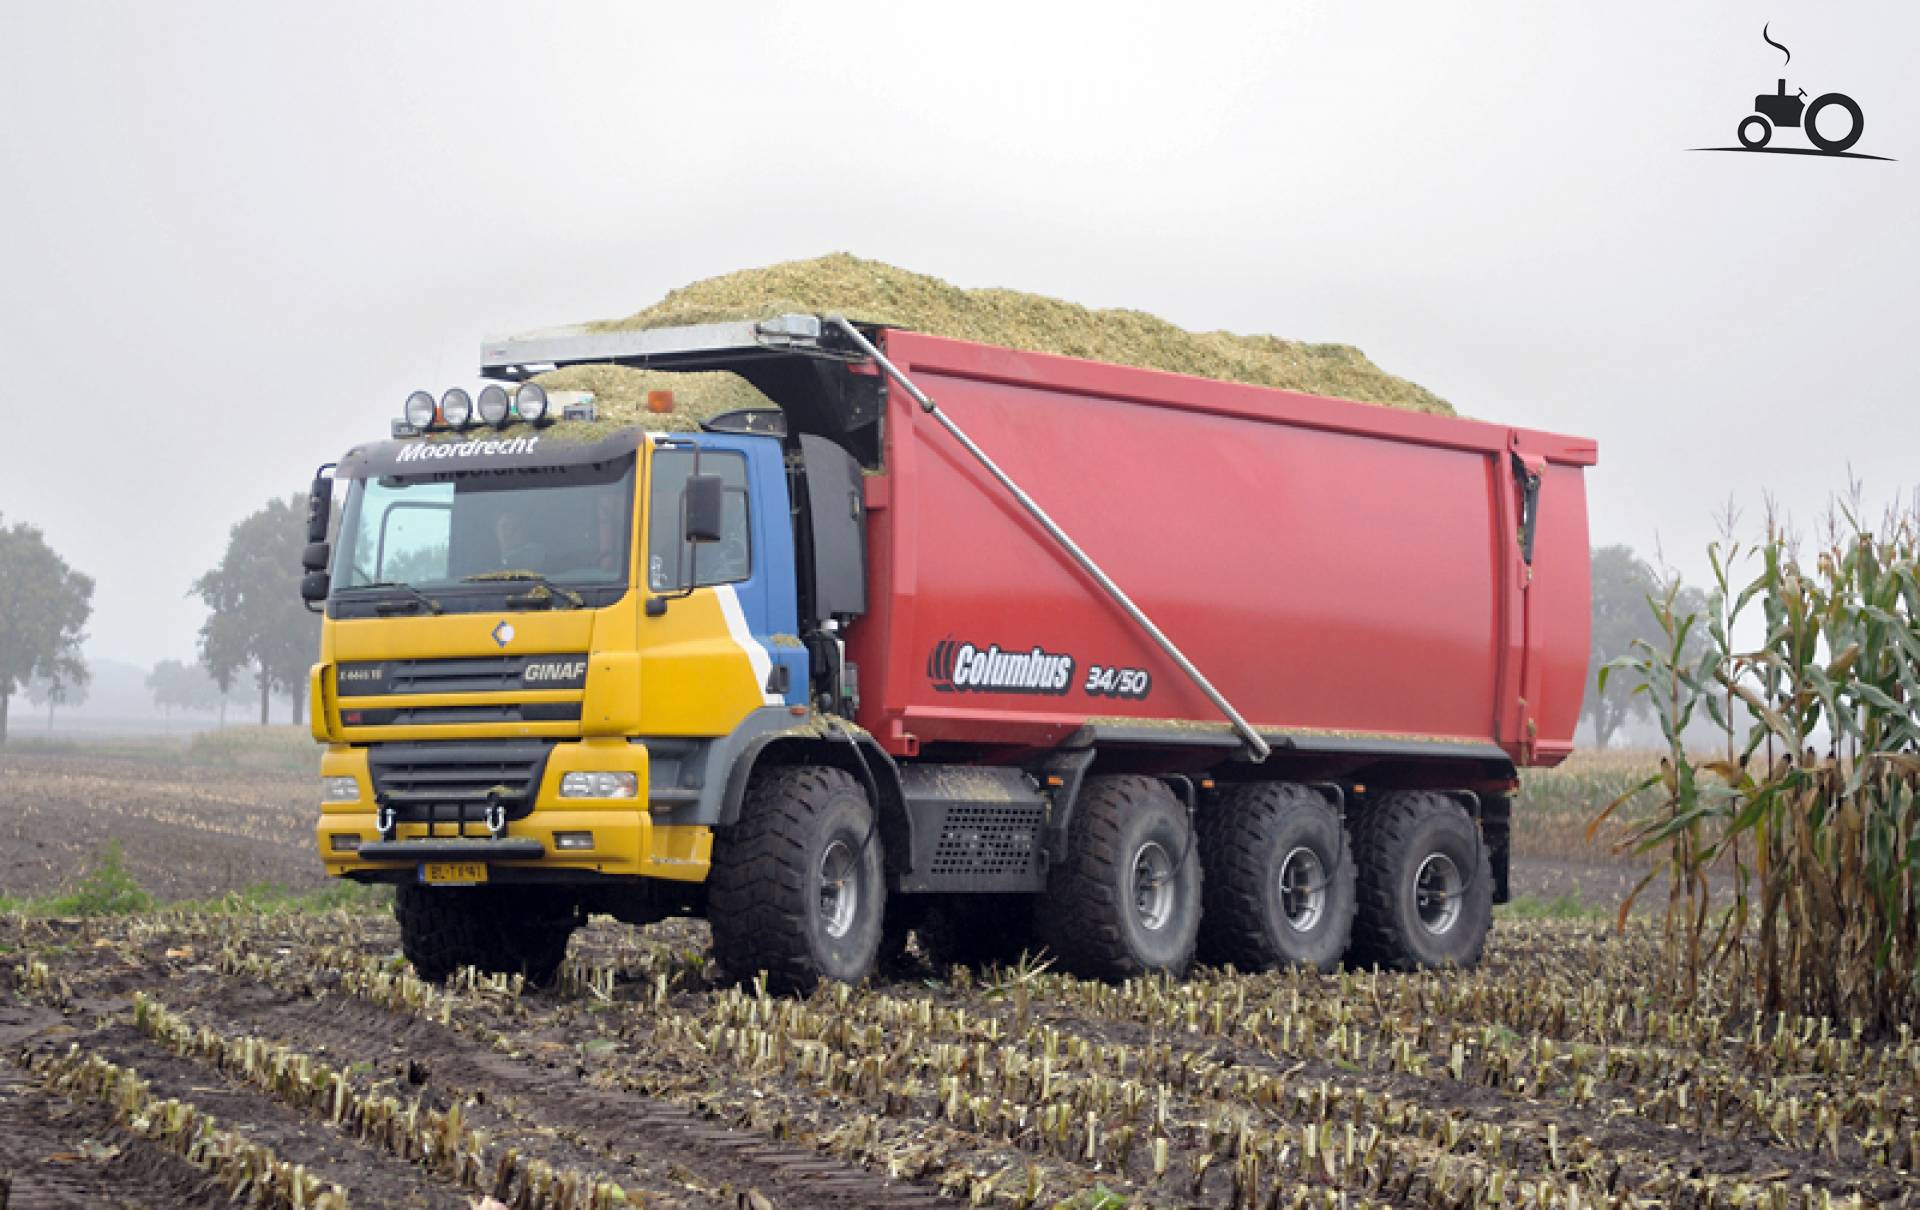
(1559, 1072)
(185, 830)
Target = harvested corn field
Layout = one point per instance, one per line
(168, 1057)
(870, 291)
(1545, 1078)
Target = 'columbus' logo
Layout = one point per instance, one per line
(963, 668)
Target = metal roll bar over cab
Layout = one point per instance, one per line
(808, 846)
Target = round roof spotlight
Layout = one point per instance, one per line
(456, 408)
(493, 405)
(530, 401)
(419, 410)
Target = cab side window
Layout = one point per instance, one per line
(670, 556)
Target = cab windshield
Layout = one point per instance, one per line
(570, 525)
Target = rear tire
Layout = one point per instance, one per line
(796, 888)
(1426, 884)
(1280, 879)
(499, 930)
(1126, 901)
(1811, 122)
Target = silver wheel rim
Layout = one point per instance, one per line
(1303, 889)
(839, 890)
(1436, 893)
(1152, 886)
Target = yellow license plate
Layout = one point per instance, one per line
(454, 873)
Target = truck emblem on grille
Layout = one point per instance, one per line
(503, 633)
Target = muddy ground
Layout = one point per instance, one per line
(1559, 1073)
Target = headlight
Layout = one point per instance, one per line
(340, 789)
(599, 785)
(456, 408)
(530, 401)
(419, 410)
(493, 405)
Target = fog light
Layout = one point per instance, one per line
(530, 403)
(494, 406)
(419, 410)
(573, 840)
(599, 785)
(340, 789)
(456, 408)
(343, 843)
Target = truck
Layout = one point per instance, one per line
(1005, 651)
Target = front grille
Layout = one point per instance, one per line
(454, 781)
(440, 716)
(474, 674)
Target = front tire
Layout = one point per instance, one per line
(797, 888)
(499, 930)
(1280, 879)
(1755, 131)
(1426, 884)
(1126, 901)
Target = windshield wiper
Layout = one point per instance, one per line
(553, 592)
(419, 597)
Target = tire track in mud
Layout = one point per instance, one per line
(646, 1144)
(57, 1154)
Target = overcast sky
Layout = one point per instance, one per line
(234, 236)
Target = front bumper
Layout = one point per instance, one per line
(626, 841)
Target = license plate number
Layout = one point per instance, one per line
(454, 873)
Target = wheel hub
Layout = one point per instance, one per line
(839, 889)
(1437, 891)
(1152, 885)
(1303, 889)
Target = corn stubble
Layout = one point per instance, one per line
(1547, 1077)
(1813, 803)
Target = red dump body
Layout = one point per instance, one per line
(1334, 568)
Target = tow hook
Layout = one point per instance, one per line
(384, 820)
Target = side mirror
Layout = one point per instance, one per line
(319, 507)
(313, 586)
(314, 557)
(703, 498)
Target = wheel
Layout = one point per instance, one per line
(1811, 122)
(1126, 900)
(796, 888)
(977, 930)
(1426, 883)
(1762, 130)
(500, 930)
(1280, 875)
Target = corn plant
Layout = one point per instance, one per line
(1813, 806)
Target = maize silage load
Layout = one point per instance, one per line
(869, 291)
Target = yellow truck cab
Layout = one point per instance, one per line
(546, 647)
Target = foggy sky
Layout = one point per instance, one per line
(234, 236)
